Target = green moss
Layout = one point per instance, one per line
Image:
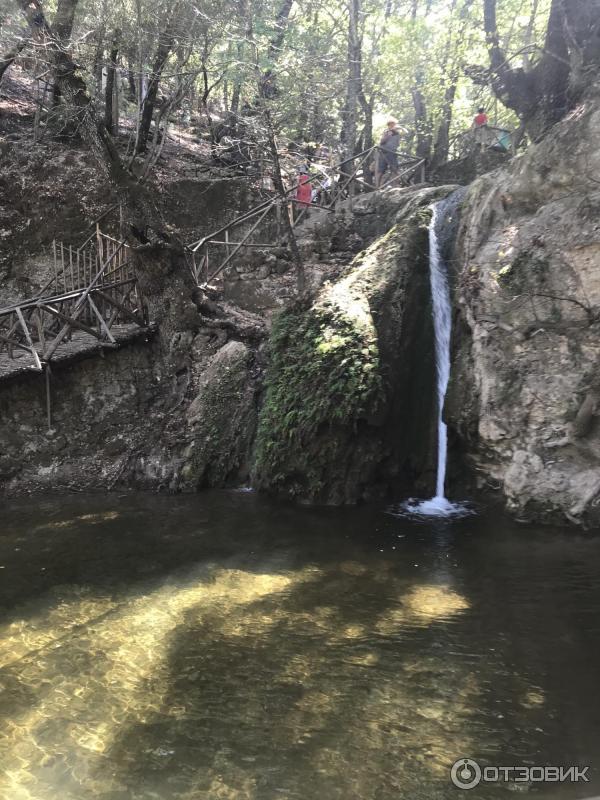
(324, 370)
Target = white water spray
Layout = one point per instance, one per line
(442, 327)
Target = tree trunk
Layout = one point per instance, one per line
(422, 121)
(528, 38)
(277, 176)
(8, 59)
(62, 28)
(131, 87)
(99, 63)
(109, 94)
(267, 88)
(236, 94)
(442, 139)
(539, 96)
(367, 110)
(582, 19)
(165, 45)
(280, 189)
(235, 98)
(225, 89)
(452, 68)
(354, 80)
(203, 103)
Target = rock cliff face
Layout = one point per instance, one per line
(525, 381)
(133, 418)
(348, 407)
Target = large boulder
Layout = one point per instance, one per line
(348, 409)
(221, 421)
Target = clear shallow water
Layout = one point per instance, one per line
(223, 646)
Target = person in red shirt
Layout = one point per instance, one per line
(480, 121)
(481, 118)
(304, 190)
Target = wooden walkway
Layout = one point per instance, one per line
(80, 345)
(210, 255)
(91, 302)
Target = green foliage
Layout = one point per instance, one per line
(429, 48)
(324, 369)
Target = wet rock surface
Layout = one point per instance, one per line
(221, 419)
(525, 390)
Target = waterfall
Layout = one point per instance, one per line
(442, 220)
(442, 326)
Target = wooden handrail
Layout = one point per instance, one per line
(272, 201)
(79, 306)
(335, 190)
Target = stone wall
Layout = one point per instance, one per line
(101, 412)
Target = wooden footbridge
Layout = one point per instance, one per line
(211, 254)
(92, 301)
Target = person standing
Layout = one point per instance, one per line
(480, 128)
(304, 189)
(481, 118)
(387, 156)
(303, 195)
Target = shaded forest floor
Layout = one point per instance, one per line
(184, 152)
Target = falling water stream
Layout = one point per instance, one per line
(439, 505)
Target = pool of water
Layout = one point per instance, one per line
(222, 646)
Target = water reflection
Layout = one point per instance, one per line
(225, 647)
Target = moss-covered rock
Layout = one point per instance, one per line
(348, 405)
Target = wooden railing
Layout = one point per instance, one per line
(343, 178)
(89, 299)
(75, 268)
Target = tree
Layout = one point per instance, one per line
(166, 42)
(111, 107)
(267, 87)
(62, 27)
(8, 58)
(141, 210)
(354, 86)
(331, 70)
(453, 64)
(542, 93)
